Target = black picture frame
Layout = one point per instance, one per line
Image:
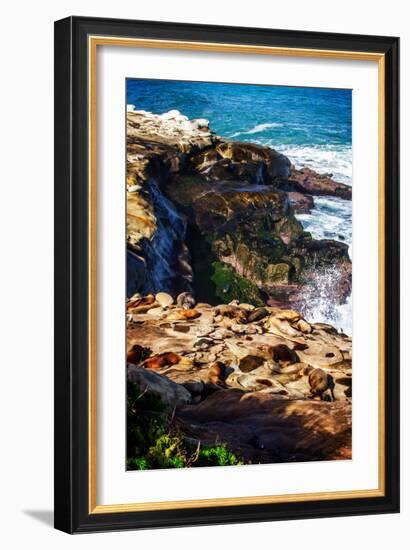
(71, 492)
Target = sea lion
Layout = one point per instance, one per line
(190, 313)
(161, 360)
(183, 314)
(257, 314)
(216, 373)
(321, 384)
(232, 312)
(281, 353)
(137, 354)
(185, 300)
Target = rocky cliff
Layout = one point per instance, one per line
(217, 217)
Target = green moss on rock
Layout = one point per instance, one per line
(231, 286)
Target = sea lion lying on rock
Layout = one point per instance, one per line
(183, 314)
(232, 312)
(257, 314)
(185, 300)
(137, 354)
(161, 360)
(281, 353)
(216, 373)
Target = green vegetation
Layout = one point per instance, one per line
(231, 286)
(154, 441)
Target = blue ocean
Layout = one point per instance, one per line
(311, 126)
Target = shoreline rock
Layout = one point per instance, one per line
(244, 376)
(205, 214)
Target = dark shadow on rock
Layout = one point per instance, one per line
(43, 516)
(264, 428)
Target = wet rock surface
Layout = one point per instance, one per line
(266, 382)
(218, 217)
(307, 181)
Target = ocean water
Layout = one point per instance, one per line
(311, 126)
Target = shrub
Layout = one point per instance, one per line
(153, 440)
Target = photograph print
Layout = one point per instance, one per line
(239, 274)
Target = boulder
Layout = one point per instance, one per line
(276, 164)
(307, 181)
(157, 385)
(164, 299)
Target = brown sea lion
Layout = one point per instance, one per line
(216, 373)
(161, 360)
(191, 314)
(257, 314)
(137, 354)
(232, 312)
(281, 353)
(321, 384)
(183, 314)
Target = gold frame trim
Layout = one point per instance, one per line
(93, 42)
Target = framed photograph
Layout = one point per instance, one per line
(226, 274)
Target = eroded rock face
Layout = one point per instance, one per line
(307, 181)
(157, 146)
(249, 377)
(218, 217)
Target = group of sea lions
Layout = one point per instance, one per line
(284, 360)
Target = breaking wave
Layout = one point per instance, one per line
(257, 129)
(318, 308)
(329, 159)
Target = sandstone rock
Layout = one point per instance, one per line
(159, 386)
(263, 427)
(270, 369)
(179, 173)
(276, 163)
(156, 310)
(164, 299)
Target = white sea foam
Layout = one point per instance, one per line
(257, 129)
(333, 159)
(317, 308)
(330, 219)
